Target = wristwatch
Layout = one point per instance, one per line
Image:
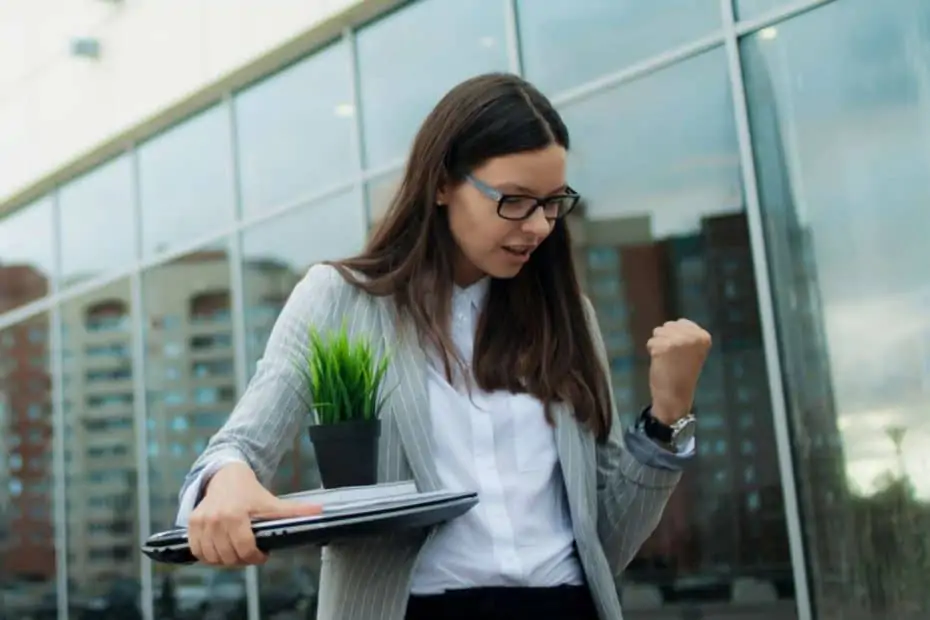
(675, 436)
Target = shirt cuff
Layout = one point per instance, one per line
(192, 491)
(650, 454)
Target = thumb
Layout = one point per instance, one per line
(277, 508)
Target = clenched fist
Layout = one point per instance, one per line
(678, 350)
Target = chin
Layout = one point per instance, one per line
(504, 272)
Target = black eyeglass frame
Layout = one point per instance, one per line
(501, 198)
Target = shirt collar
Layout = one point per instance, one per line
(473, 295)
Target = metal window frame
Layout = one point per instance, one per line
(237, 310)
(357, 130)
(140, 408)
(59, 467)
(512, 37)
(757, 242)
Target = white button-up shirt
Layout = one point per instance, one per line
(500, 445)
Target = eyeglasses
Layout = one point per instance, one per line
(518, 207)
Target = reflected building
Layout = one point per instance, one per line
(820, 463)
(736, 530)
(27, 535)
(100, 454)
(191, 388)
(267, 284)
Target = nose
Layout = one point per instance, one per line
(537, 225)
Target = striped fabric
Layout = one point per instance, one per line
(615, 501)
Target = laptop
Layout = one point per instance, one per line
(344, 516)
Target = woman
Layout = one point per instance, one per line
(502, 388)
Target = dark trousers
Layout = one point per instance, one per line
(568, 602)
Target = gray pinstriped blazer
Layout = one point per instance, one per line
(615, 501)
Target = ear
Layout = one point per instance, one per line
(443, 195)
(446, 186)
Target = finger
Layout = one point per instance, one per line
(656, 346)
(216, 542)
(199, 540)
(213, 548)
(225, 549)
(194, 539)
(243, 541)
(285, 509)
(694, 329)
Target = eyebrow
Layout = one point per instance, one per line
(526, 190)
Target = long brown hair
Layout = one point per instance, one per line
(533, 335)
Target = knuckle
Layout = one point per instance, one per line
(220, 518)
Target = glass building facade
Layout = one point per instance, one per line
(736, 160)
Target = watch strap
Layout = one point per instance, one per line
(654, 429)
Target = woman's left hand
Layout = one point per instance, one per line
(678, 350)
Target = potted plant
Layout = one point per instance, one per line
(345, 378)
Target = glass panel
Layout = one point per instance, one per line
(595, 37)
(662, 235)
(841, 150)
(407, 62)
(186, 181)
(97, 223)
(276, 255)
(27, 256)
(27, 531)
(379, 194)
(751, 9)
(295, 137)
(100, 452)
(190, 391)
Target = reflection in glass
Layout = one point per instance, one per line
(841, 151)
(378, 195)
(751, 9)
(276, 255)
(596, 37)
(294, 137)
(97, 223)
(27, 533)
(663, 235)
(100, 452)
(407, 62)
(27, 257)
(186, 181)
(190, 392)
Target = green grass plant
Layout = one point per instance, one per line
(345, 377)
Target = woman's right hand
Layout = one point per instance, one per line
(220, 527)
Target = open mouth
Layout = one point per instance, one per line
(519, 250)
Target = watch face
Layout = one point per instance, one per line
(684, 431)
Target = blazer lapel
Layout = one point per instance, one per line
(408, 402)
(579, 466)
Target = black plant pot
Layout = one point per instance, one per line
(347, 452)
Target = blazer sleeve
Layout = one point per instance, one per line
(276, 402)
(631, 494)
